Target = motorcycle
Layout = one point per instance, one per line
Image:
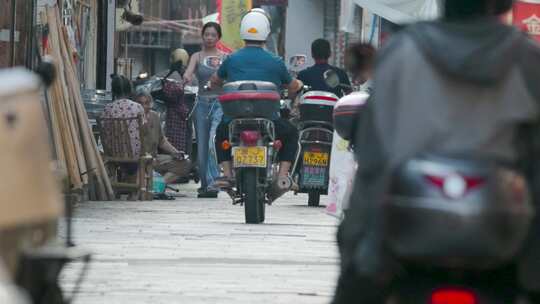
(315, 124)
(312, 166)
(253, 144)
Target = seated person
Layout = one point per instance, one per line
(314, 76)
(124, 107)
(254, 63)
(173, 164)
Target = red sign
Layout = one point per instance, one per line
(526, 16)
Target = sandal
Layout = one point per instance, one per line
(223, 182)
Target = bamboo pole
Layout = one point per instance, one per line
(65, 61)
(58, 99)
(73, 136)
(92, 156)
(90, 148)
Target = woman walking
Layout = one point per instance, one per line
(208, 111)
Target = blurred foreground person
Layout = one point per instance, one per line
(360, 58)
(464, 85)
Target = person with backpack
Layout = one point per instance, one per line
(465, 84)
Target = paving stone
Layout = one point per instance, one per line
(200, 251)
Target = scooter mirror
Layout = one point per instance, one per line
(297, 62)
(331, 78)
(212, 62)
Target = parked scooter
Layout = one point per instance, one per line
(253, 143)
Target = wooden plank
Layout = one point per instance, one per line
(70, 118)
(58, 102)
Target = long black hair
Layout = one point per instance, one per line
(121, 86)
(465, 9)
(213, 25)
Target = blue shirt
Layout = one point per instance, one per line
(314, 77)
(254, 63)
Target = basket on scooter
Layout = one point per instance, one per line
(251, 99)
(455, 212)
(317, 106)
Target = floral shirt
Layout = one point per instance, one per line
(125, 108)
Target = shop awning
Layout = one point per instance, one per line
(402, 11)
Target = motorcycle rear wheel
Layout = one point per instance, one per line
(254, 204)
(314, 198)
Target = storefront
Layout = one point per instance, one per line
(168, 24)
(401, 11)
(381, 17)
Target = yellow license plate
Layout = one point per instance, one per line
(317, 159)
(249, 157)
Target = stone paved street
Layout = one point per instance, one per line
(200, 251)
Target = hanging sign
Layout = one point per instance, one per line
(230, 16)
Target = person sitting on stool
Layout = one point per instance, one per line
(173, 164)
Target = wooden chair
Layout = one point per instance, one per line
(116, 142)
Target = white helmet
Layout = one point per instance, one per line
(255, 25)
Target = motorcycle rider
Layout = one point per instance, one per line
(314, 75)
(463, 84)
(253, 62)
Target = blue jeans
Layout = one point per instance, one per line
(208, 115)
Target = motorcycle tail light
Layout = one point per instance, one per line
(453, 296)
(225, 145)
(278, 144)
(250, 138)
(455, 186)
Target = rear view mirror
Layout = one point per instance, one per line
(297, 62)
(212, 62)
(331, 78)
